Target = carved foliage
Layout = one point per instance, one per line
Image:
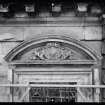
(52, 51)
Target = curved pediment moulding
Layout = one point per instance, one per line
(52, 51)
(50, 48)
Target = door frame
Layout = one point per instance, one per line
(25, 76)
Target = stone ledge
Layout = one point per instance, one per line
(51, 21)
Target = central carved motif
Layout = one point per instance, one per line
(52, 51)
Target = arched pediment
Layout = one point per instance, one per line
(50, 48)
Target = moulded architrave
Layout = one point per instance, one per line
(52, 69)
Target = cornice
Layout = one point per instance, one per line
(51, 21)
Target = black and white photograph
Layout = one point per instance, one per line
(52, 51)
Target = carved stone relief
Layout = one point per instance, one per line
(52, 51)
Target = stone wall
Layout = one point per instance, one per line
(13, 34)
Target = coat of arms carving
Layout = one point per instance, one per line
(51, 51)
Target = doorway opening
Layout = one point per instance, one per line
(53, 94)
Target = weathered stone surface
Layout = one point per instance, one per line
(103, 63)
(27, 32)
(5, 47)
(73, 32)
(94, 45)
(4, 98)
(21, 32)
(103, 47)
(3, 90)
(93, 33)
(103, 32)
(14, 33)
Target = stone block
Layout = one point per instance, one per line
(93, 33)
(5, 48)
(103, 47)
(94, 45)
(103, 32)
(4, 98)
(103, 65)
(73, 32)
(11, 33)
